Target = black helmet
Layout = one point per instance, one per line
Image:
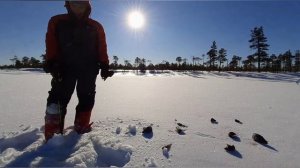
(67, 2)
(89, 7)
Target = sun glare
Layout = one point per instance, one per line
(136, 19)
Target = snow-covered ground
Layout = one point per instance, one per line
(266, 103)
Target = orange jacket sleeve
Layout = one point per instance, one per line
(51, 41)
(102, 47)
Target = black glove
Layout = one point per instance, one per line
(54, 68)
(105, 72)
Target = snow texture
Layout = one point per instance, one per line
(265, 103)
(132, 129)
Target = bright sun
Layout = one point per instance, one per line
(136, 19)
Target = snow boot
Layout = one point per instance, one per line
(82, 122)
(54, 121)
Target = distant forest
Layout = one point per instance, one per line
(260, 60)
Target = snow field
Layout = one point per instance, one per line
(266, 103)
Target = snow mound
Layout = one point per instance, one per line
(150, 162)
(94, 149)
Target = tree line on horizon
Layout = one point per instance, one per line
(217, 60)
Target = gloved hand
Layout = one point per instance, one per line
(54, 68)
(105, 72)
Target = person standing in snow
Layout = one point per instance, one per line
(75, 52)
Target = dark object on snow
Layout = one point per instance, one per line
(258, 138)
(147, 130)
(180, 131)
(229, 148)
(238, 121)
(232, 135)
(182, 125)
(168, 147)
(212, 120)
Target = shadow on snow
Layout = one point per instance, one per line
(27, 149)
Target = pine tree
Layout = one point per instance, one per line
(275, 63)
(25, 62)
(43, 56)
(248, 63)
(212, 54)
(179, 60)
(18, 64)
(137, 61)
(235, 61)
(14, 60)
(297, 60)
(222, 57)
(196, 60)
(34, 63)
(287, 57)
(258, 42)
(116, 59)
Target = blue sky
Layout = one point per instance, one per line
(172, 29)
